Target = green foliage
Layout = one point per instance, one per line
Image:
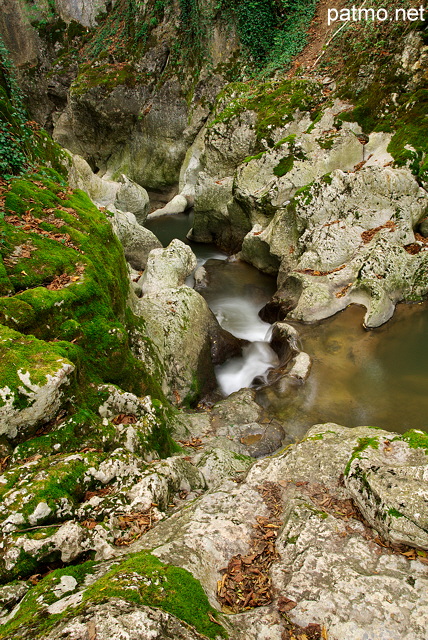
(274, 31)
(15, 135)
(366, 59)
(22, 143)
(274, 101)
(257, 21)
(86, 322)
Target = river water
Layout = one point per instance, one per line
(358, 377)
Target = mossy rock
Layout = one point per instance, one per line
(32, 380)
(140, 579)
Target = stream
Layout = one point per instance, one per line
(358, 377)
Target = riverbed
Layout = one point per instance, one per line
(358, 377)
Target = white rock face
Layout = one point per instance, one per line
(122, 620)
(132, 197)
(83, 11)
(342, 240)
(178, 204)
(67, 583)
(124, 194)
(168, 268)
(43, 400)
(40, 513)
(389, 483)
(137, 241)
(330, 565)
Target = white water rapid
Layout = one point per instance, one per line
(240, 317)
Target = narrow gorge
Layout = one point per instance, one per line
(213, 320)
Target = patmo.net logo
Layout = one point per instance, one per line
(362, 14)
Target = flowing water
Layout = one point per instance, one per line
(358, 377)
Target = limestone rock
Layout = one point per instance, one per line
(123, 194)
(132, 197)
(216, 464)
(137, 241)
(81, 176)
(388, 480)
(178, 204)
(342, 240)
(117, 618)
(36, 379)
(10, 595)
(168, 268)
(337, 578)
(178, 323)
(218, 218)
(81, 11)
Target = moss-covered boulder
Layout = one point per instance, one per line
(116, 597)
(33, 380)
(386, 477)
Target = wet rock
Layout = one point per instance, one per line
(224, 345)
(284, 341)
(178, 204)
(185, 331)
(261, 440)
(300, 366)
(238, 408)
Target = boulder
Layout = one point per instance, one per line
(168, 268)
(131, 197)
(137, 241)
(178, 204)
(330, 567)
(118, 618)
(32, 385)
(387, 478)
(178, 321)
(343, 239)
(123, 194)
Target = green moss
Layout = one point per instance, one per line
(327, 141)
(415, 439)
(284, 166)
(256, 157)
(16, 314)
(373, 78)
(363, 444)
(52, 479)
(288, 140)
(395, 514)
(274, 102)
(141, 579)
(30, 611)
(21, 354)
(292, 539)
